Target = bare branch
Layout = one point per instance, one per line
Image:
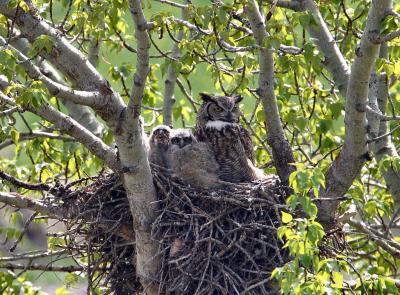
(9, 111)
(22, 202)
(391, 246)
(19, 183)
(74, 129)
(174, 4)
(386, 38)
(56, 89)
(190, 26)
(384, 146)
(281, 150)
(30, 255)
(69, 60)
(334, 60)
(42, 267)
(33, 135)
(81, 134)
(296, 5)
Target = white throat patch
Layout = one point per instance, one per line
(218, 124)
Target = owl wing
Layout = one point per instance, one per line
(173, 159)
(203, 157)
(247, 143)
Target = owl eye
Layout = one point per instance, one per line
(218, 109)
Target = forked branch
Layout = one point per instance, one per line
(281, 150)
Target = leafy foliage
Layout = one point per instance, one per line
(217, 56)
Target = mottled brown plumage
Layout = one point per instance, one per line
(192, 161)
(225, 109)
(218, 126)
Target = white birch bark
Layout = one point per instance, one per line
(172, 75)
(281, 150)
(348, 164)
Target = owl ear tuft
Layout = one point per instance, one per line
(238, 98)
(206, 97)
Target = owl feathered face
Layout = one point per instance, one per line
(182, 137)
(221, 108)
(160, 135)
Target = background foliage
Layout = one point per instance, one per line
(311, 109)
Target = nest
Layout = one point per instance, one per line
(210, 241)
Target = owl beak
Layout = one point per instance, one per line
(229, 118)
(181, 143)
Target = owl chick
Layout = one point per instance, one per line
(159, 144)
(192, 161)
(218, 126)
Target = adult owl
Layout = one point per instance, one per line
(218, 126)
(192, 161)
(222, 109)
(159, 144)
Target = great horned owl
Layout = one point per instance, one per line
(222, 109)
(192, 161)
(218, 126)
(159, 144)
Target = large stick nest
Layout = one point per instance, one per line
(220, 241)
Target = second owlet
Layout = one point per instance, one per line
(218, 126)
(192, 161)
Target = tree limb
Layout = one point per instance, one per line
(81, 134)
(386, 38)
(132, 146)
(77, 131)
(392, 247)
(68, 59)
(281, 150)
(19, 201)
(296, 5)
(33, 135)
(42, 267)
(354, 153)
(384, 145)
(172, 75)
(81, 114)
(19, 183)
(334, 60)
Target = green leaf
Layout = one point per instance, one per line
(286, 217)
(62, 291)
(15, 136)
